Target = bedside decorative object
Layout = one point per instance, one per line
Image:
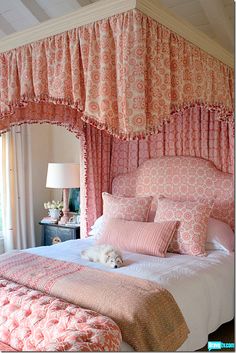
(49, 220)
(63, 176)
(54, 213)
(56, 233)
(54, 209)
(74, 220)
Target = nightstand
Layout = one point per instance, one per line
(56, 233)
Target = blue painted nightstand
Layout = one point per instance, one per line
(56, 233)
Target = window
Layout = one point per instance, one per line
(0, 187)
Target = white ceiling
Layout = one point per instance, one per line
(213, 17)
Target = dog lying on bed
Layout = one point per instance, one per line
(104, 254)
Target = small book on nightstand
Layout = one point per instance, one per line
(49, 220)
(69, 224)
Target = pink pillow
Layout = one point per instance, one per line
(141, 237)
(129, 208)
(193, 216)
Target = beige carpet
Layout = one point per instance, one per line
(225, 334)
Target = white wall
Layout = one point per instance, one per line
(50, 143)
(65, 149)
(41, 154)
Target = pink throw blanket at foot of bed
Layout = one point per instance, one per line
(33, 321)
(146, 313)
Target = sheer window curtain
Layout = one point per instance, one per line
(16, 189)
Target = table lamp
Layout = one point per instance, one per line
(63, 176)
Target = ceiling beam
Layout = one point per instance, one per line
(219, 21)
(2, 34)
(83, 2)
(36, 10)
(183, 28)
(5, 26)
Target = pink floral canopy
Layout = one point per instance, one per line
(126, 74)
(131, 77)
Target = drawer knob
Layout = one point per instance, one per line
(56, 240)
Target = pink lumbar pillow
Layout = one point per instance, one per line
(190, 238)
(129, 208)
(219, 236)
(141, 237)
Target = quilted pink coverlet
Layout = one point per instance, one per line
(33, 321)
(147, 315)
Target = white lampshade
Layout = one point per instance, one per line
(63, 175)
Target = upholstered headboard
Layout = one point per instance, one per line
(180, 178)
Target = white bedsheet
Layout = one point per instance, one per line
(203, 287)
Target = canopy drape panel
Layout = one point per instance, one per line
(193, 132)
(97, 157)
(134, 79)
(126, 74)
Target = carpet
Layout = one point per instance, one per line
(225, 333)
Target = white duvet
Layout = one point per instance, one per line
(203, 287)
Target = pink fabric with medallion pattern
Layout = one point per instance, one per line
(34, 321)
(193, 217)
(180, 178)
(129, 208)
(126, 74)
(194, 132)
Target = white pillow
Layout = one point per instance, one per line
(97, 227)
(219, 236)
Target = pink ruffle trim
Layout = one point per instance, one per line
(223, 114)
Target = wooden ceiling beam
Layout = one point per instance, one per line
(219, 21)
(36, 10)
(83, 2)
(5, 26)
(185, 29)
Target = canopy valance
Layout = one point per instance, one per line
(126, 74)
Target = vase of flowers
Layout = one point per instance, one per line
(54, 208)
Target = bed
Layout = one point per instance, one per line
(202, 286)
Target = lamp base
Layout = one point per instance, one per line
(65, 218)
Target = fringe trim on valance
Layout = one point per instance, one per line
(77, 132)
(222, 114)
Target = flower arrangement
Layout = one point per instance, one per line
(53, 205)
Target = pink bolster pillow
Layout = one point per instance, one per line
(141, 237)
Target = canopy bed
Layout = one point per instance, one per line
(135, 84)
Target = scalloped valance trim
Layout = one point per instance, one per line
(222, 114)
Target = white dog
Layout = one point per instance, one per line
(105, 254)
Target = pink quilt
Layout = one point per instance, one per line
(33, 321)
(147, 314)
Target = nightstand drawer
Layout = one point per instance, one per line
(50, 235)
(66, 234)
(54, 233)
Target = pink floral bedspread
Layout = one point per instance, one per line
(33, 321)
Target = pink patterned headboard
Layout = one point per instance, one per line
(180, 178)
